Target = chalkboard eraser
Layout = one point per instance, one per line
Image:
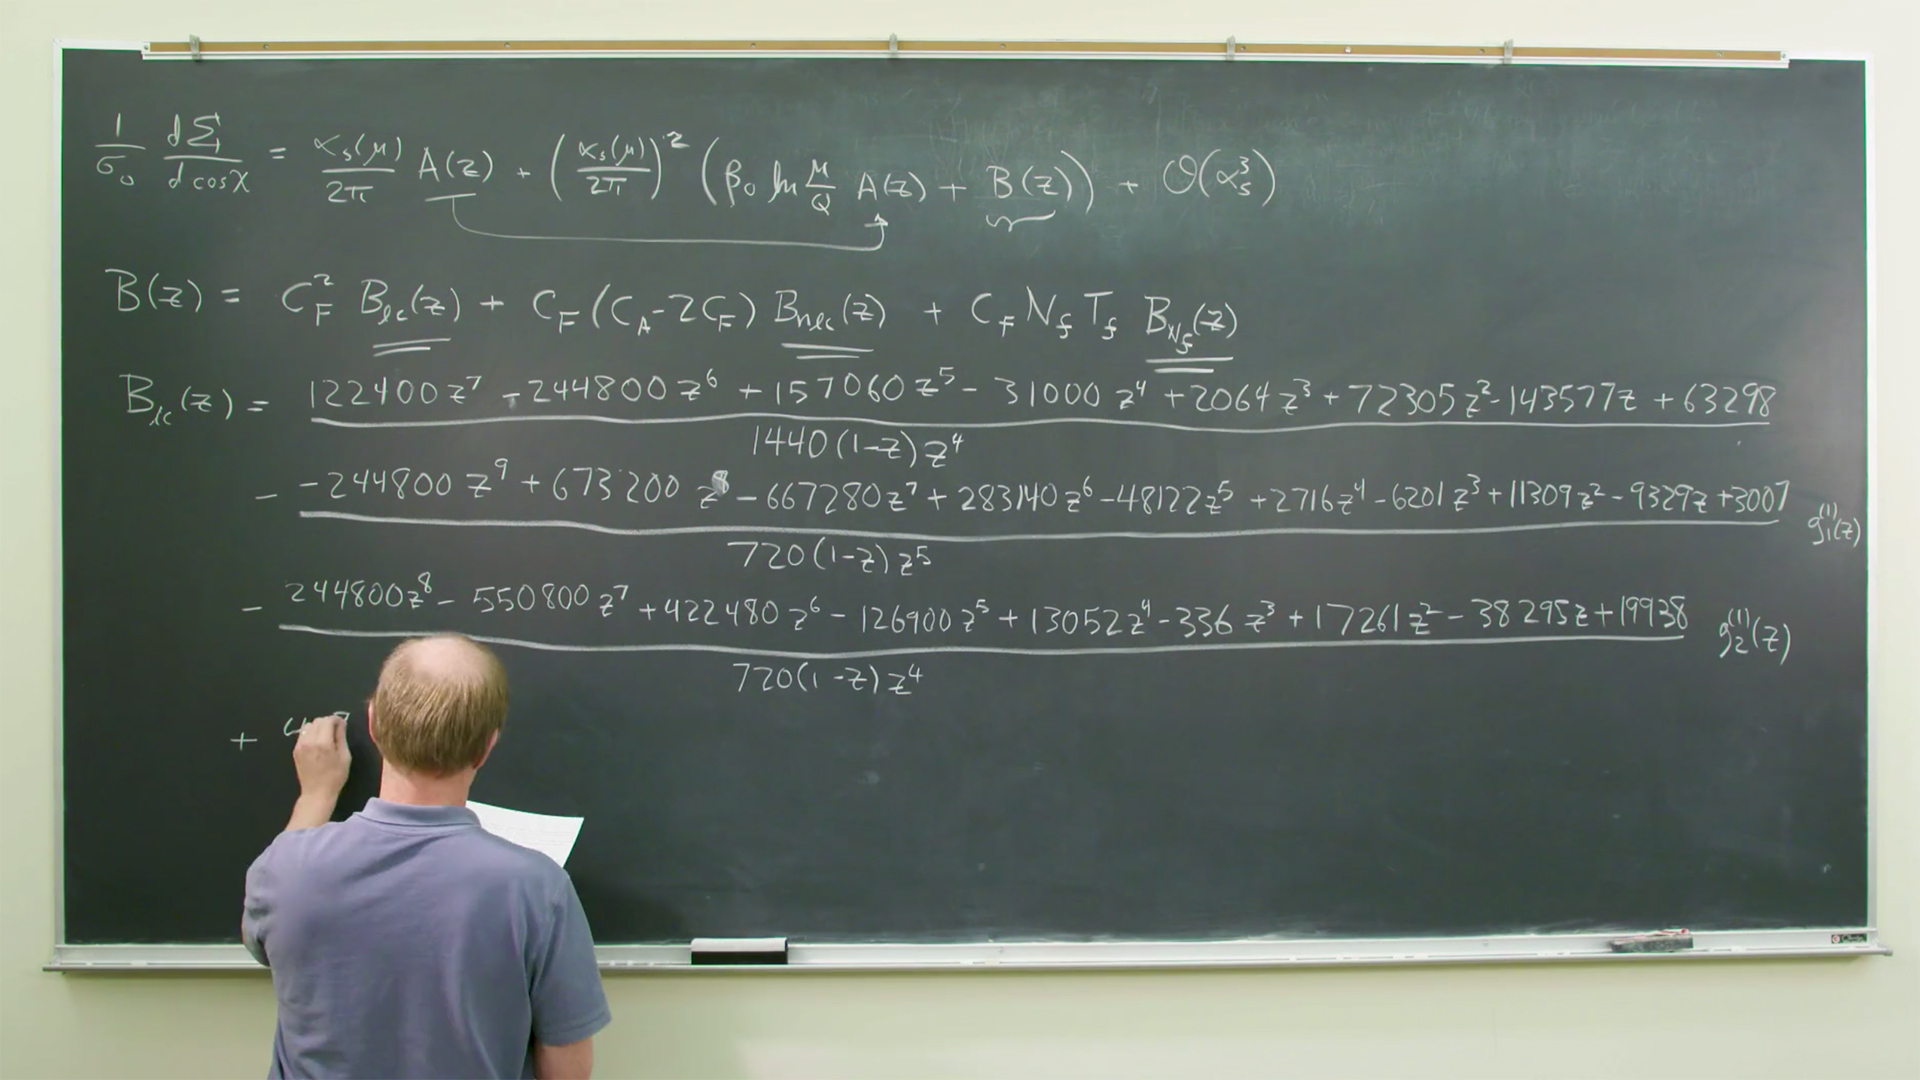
(734, 950)
(1657, 942)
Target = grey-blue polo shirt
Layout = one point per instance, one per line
(408, 941)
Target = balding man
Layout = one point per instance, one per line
(406, 940)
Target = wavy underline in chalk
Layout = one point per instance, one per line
(976, 425)
(943, 538)
(453, 201)
(993, 650)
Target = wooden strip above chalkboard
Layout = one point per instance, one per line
(1199, 49)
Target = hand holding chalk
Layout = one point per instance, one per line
(320, 758)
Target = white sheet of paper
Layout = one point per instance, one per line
(549, 834)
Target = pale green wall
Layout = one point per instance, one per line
(1827, 1019)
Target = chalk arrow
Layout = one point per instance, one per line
(453, 203)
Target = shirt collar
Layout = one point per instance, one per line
(393, 813)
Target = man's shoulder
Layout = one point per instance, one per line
(358, 853)
(469, 851)
(476, 860)
(292, 845)
(508, 859)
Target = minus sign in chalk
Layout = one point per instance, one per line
(746, 498)
(249, 609)
(969, 389)
(838, 615)
(259, 497)
(311, 483)
(444, 603)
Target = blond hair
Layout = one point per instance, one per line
(440, 701)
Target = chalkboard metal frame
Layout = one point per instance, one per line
(1828, 942)
(893, 47)
(1872, 320)
(1043, 956)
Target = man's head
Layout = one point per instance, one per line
(440, 705)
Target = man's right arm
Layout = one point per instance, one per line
(573, 1061)
(321, 761)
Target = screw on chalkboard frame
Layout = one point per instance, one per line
(193, 46)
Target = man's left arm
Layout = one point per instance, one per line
(569, 1005)
(254, 913)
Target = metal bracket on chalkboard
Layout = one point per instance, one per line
(193, 46)
(1232, 46)
(1506, 52)
(893, 46)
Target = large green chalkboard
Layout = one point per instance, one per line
(940, 501)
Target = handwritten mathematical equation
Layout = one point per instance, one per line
(639, 485)
(134, 292)
(1015, 191)
(359, 166)
(1150, 619)
(1743, 633)
(1152, 318)
(900, 631)
(160, 407)
(612, 396)
(329, 398)
(1830, 525)
(289, 728)
(193, 152)
(621, 309)
(838, 643)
